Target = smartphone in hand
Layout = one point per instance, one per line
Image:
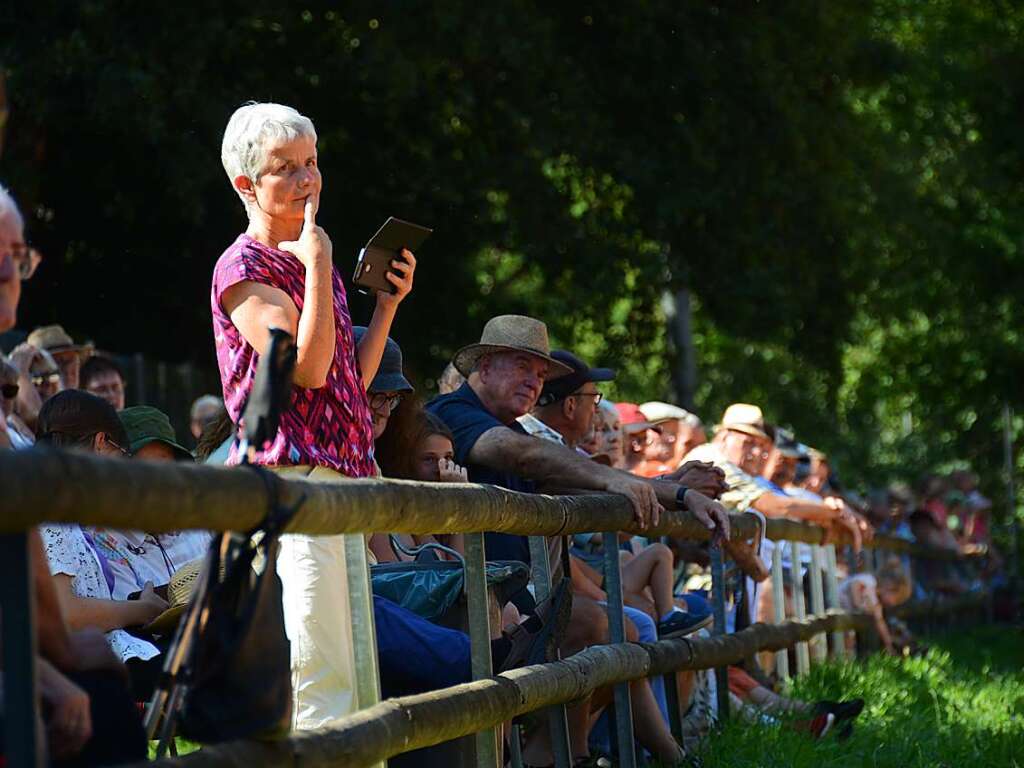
(383, 248)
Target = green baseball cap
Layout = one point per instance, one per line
(145, 424)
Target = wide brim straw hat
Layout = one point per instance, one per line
(511, 333)
(179, 592)
(54, 339)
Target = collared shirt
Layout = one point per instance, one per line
(468, 420)
(743, 488)
(537, 428)
(330, 426)
(131, 558)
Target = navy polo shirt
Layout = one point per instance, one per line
(468, 419)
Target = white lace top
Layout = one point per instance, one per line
(69, 553)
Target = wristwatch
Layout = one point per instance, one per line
(681, 496)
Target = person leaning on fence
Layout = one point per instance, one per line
(103, 377)
(505, 373)
(280, 263)
(681, 432)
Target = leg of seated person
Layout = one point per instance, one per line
(416, 655)
(117, 734)
(647, 632)
(652, 568)
(649, 723)
(588, 625)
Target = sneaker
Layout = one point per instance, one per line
(682, 623)
(843, 710)
(822, 724)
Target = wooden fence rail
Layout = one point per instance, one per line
(52, 486)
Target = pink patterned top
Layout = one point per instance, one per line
(328, 427)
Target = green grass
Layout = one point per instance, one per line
(961, 705)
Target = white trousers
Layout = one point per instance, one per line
(317, 618)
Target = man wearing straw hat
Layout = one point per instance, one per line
(741, 447)
(69, 355)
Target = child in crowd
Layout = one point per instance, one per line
(873, 593)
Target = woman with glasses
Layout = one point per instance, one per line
(279, 273)
(76, 420)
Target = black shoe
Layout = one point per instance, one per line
(843, 710)
(682, 623)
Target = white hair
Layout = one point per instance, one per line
(205, 403)
(9, 209)
(252, 129)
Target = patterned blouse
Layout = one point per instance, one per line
(68, 553)
(331, 426)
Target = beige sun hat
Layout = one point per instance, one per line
(657, 411)
(179, 592)
(54, 339)
(511, 333)
(746, 418)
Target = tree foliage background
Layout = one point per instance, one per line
(838, 186)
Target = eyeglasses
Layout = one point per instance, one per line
(598, 396)
(26, 259)
(45, 378)
(9, 391)
(124, 451)
(378, 402)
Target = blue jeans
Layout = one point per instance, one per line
(415, 655)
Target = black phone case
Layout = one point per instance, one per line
(384, 247)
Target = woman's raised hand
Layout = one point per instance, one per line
(313, 246)
(400, 275)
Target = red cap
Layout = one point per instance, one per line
(632, 418)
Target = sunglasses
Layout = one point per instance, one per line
(45, 378)
(9, 391)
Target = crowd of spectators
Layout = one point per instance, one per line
(510, 412)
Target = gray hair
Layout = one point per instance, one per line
(252, 128)
(9, 208)
(205, 406)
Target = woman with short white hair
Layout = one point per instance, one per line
(279, 273)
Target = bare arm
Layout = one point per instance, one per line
(54, 642)
(371, 347)
(554, 465)
(28, 403)
(105, 615)
(255, 308)
(773, 505)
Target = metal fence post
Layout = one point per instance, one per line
(20, 674)
(478, 606)
(779, 607)
(364, 635)
(819, 643)
(832, 590)
(540, 574)
(718, 606)
(797, 583)
(617, 634)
